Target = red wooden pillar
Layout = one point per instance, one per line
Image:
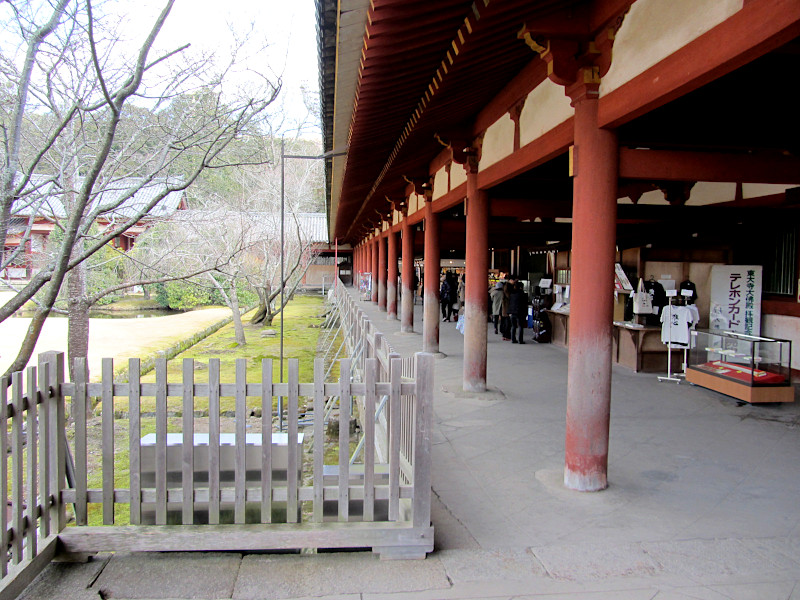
(430, 314)
(407, 298)
(382, 271)
(476, 309)
(391, 275)
(373, 249)
(595, 160)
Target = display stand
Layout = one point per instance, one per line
(669, 377)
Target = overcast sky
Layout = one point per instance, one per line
(287, 26)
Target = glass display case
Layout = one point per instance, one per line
(750, 368)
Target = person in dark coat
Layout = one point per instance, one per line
(445, 300)
(518, 311)
(496, 297)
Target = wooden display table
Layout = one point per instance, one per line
(740, 390)
(559, 322)
(639, 347)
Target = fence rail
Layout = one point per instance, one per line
(204, 483)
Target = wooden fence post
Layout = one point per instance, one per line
(80, 410)
(56, 437)
(4, 477)
(422, 440)
(344, 440)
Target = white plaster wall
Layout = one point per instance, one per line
(654, 29)
(440, 183)
(756, 190)
(654, 197)
(710, 192)
(785, 328)
(545, 107)
(498, 141)
(703, 192)
(457, 176)
(415, 202)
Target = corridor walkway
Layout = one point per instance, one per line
(703, 502)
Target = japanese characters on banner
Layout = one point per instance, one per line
(736, 298)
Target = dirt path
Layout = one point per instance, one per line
(115, 338)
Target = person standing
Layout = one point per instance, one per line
(518, 311)
(444, 299)
(505, 318)
(462, 292)
(496, 296)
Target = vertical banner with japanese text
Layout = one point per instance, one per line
(736, 298)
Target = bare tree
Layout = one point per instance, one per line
(89, 119)
(298, 254)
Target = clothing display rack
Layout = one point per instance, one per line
(686, 296)
(669, 377)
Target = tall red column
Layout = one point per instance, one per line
(391, 275)
(595, 159)
(374, 268)
(382, 272)
(476, 309)
(407, 298)
(430, 314)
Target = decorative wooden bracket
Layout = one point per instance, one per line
(676, 192)
(423, 186)
(578, 58)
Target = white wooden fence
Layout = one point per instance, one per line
(203, 503)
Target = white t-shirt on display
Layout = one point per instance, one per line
(675, 324)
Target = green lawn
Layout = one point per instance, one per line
(301, 333)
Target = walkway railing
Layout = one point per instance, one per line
(363, 342)
(139, 466)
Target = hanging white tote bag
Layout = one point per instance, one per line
(642, 302)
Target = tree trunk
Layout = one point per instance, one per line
(260, 314)
(78, 316)
(238, 328)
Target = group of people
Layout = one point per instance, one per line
(509, 309)
(451, 295)
(508, 299)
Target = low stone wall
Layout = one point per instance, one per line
(149, 363)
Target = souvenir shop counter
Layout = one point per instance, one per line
(559, 322)
(637, 347)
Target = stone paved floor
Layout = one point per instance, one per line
(703, 502)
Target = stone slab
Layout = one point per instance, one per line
(67, 581)
(157, 575)
(280, 576)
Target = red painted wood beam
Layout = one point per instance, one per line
(605, 11)
(381, 241)
(672, 165)
(407, 295)
(476, 308)
(591, 303)
(391, 277)
(430, 324)
(523, 84)
(374, 269)
(758, 28)
(548, 146)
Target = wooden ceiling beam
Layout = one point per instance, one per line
(670, 165)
